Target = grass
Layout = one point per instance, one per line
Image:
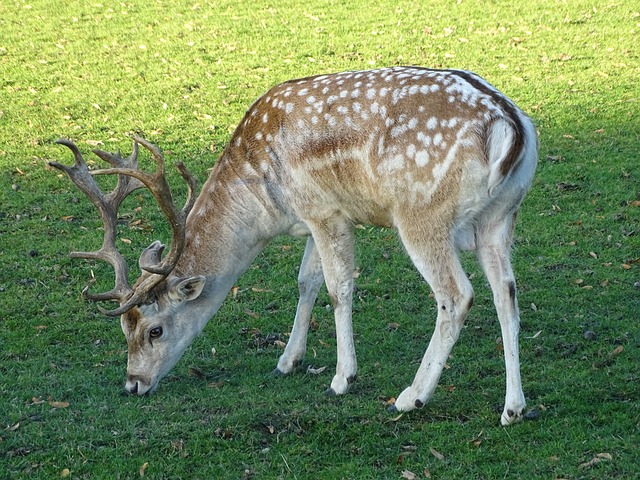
(182, 73)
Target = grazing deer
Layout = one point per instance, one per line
(440, 155)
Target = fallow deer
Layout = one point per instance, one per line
(439, 155)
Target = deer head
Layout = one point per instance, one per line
(148, 309)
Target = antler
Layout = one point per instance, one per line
(130, 178)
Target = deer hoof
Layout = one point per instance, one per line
(409, 400)
(509, 417)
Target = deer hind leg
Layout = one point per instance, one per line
(494, 241)
(439, 265)
(310, 279)
(334, 240)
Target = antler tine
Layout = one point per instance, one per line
(126, 184)
(107, 205)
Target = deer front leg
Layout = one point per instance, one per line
(310, 280)
(334, 240)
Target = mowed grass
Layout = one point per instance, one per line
(182, 74)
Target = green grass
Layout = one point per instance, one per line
(182, 74)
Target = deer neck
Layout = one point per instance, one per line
(232, 220)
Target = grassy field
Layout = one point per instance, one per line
(182, 73)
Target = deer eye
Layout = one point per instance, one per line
(155, 332)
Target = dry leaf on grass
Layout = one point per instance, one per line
(612, 355)
(58, 404)
(315, 371)
(535, 335)
(196, 372)
(143, 468)
(436, 453)
(395, 419)
(600, 457)
(477, 441)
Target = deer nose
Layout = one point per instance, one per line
(135, 385)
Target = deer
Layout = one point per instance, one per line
(441, 156)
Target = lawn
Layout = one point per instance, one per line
(182, 73)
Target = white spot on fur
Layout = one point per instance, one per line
(331, 120)
(424, 139)
(422, 158)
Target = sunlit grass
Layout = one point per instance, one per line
(182, 74)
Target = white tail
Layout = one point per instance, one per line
(440, 155)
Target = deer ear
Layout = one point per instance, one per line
(151, 255)
(187, 289)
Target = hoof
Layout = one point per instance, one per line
(330, 392)
(277, 373)
(510, 417)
